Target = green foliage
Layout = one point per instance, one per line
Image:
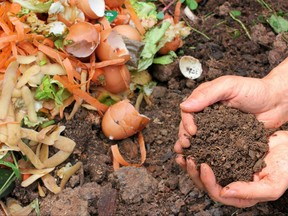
(278, 23)
(192, 4)
(51, 89)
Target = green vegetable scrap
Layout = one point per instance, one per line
(35, 5)
(146, 12)
(278, 23)
(152, 45)
(51, 89)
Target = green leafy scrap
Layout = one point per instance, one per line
(192, 4)
(51, 89)
(278, 23)
(35, 5)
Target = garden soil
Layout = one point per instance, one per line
(160, 187)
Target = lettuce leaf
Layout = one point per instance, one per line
(151, 46)
(35, 5)
(51, 89)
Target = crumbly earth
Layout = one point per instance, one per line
(233, 143)
(160, 187)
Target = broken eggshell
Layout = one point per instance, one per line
(122, 120)
(93, 9)
(128, 31)
(190, 67)
(82, 39)
(112, 46)
(117, 78)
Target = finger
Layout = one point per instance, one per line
(263, 190)
(194, 173)
(178, 147)
(180, 160)
(183, 136)
(210, 93)
(209, 181)
(188, 123)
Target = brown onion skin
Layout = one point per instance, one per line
(117, 78)
(122, 120)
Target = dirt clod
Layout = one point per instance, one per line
(233, 143)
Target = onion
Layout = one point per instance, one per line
(117, 78)
(122, 120)
(111, 46)
(82, 39)
(114, 3)
(93, 9)
(128, 31)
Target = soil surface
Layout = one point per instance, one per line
(160, 187)
(233, 143)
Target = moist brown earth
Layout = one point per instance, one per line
(160, 187)
(233, 143)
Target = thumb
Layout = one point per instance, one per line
(208, 93)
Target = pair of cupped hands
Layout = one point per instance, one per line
(267, 98)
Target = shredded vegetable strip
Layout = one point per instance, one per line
(84, 95)
(119, 160)
(134, 17)
(177, 12)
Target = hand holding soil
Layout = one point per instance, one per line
(266, 99)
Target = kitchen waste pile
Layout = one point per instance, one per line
(67, 53)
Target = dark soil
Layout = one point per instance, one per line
(233, 143)
(160, 187)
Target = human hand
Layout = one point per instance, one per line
(267, 185)
(266, 98)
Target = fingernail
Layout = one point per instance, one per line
(188, 104)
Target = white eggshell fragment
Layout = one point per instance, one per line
(190, 67)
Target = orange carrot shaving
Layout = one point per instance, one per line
(71, 72)
(107, 63)
(66, 103)
(15, 8)
(134, 17)
(52, 53)
(27, 47)
(177, 12)
(25, 176)
(5, 26)
(81, 94)
(119, 160)
(65, 21)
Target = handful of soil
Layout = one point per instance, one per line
(233, 143)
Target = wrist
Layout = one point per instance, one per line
(277, 81)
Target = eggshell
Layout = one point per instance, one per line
(93, 9)
(190, 67)
(117, 78)
(82, 39)
(111, 46)
(122, 120)
(114, 3)
(128, 31)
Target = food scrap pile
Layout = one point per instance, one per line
(69, 53)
